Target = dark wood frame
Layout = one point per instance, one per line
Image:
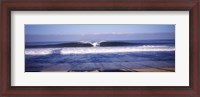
(193, 90)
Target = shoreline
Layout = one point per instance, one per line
(122, 70)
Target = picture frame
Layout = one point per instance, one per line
(193, 90)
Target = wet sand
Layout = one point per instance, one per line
(153, 70)
(123, 70)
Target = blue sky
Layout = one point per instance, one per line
(96, 32)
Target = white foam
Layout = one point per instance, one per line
(94, 44)
(96, 50)
(38, 51)
(89, 50)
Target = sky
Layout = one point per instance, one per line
(97, 32)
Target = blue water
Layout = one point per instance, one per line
(112, 56)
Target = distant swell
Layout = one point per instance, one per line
(97, 50)
(92, 44)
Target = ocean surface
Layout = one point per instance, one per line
(102, 56)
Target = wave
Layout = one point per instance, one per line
(94, 44)
(97, 44)
(97, 50)
(82, 44)
(44, 51)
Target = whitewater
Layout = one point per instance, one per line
(95, 50)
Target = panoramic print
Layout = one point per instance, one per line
(99, 48)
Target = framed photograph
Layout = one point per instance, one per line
(140, 48)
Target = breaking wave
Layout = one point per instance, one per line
(96, 50)
(98, 44)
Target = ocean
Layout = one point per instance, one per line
(100, 56)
